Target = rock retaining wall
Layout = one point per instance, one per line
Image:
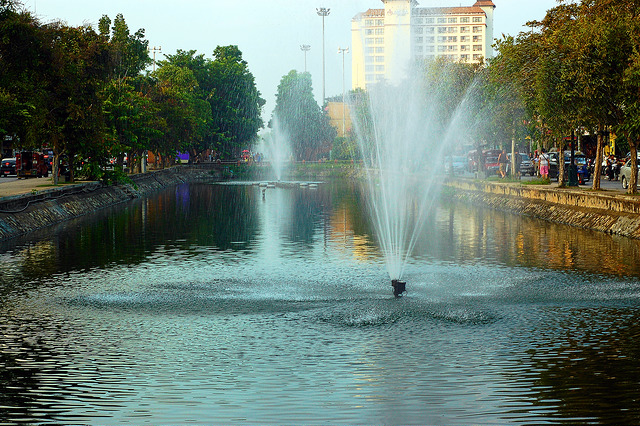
(25, 213)
(614, 214)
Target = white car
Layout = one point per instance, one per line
(625, 173)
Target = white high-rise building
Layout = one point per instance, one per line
(386, 41)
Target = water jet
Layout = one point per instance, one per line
(403, 132)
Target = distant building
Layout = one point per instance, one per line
(386, 41)
(340, 117)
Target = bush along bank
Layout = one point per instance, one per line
(22, 214)
(613, 214)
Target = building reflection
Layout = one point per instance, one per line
(479, 234)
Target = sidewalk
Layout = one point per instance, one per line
(10, 187)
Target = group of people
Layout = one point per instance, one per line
(503, 162)
(540, 159)
(612, 168)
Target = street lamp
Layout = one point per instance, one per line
(343, 51)
(305, 48)
(324, 12)
(154, 50)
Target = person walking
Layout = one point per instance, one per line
(544, 164)
(518, 163)
(503, 161)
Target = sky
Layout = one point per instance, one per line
(268, 32)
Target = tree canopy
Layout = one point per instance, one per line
(579, 72)
(300, 116)
(87, 94)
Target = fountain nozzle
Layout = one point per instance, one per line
(399, 287)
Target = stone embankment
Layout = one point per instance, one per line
(24, 213)
(613, 214)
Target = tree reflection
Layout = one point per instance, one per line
(584, 366)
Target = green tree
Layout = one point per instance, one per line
(613, 34)
(70, 111)
(236, 103)
(127, 109)
(129, 52)
(300, 116)
(133, 119)
(200, 94)
(23, 57)
(359, 109)
(588, 49)
(177, 106)
(589, 81)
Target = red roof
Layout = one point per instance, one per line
(481, 3)
(370, 13)
(475, 9)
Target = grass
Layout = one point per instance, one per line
(537, 181)
(505, 180)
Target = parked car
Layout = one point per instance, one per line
(625, 173)
(473, 159)
(458, 162)
(31, 164)
(526, 165)
(491, 164)
(581, 162)
(8, 167)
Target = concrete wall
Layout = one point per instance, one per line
(614, 214)
(25, 213)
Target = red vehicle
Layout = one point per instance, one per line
(491, 164)
(31, 164)
(489, 161)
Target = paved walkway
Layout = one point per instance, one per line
(11, 186)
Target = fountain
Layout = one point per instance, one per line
(403, 135)
(277, 148)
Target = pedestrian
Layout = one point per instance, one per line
(503, 161)
(544, 164)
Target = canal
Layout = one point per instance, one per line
(212, 303)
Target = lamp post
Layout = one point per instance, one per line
(154, 50)
(324, 12)
(305, 48)
(343, 51)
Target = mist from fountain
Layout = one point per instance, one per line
(403, 139)
(277, 147)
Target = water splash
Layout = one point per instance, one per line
(404, 132)
(277, 146)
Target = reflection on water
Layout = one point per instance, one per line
(214, 304)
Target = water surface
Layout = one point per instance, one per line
(214, 304)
